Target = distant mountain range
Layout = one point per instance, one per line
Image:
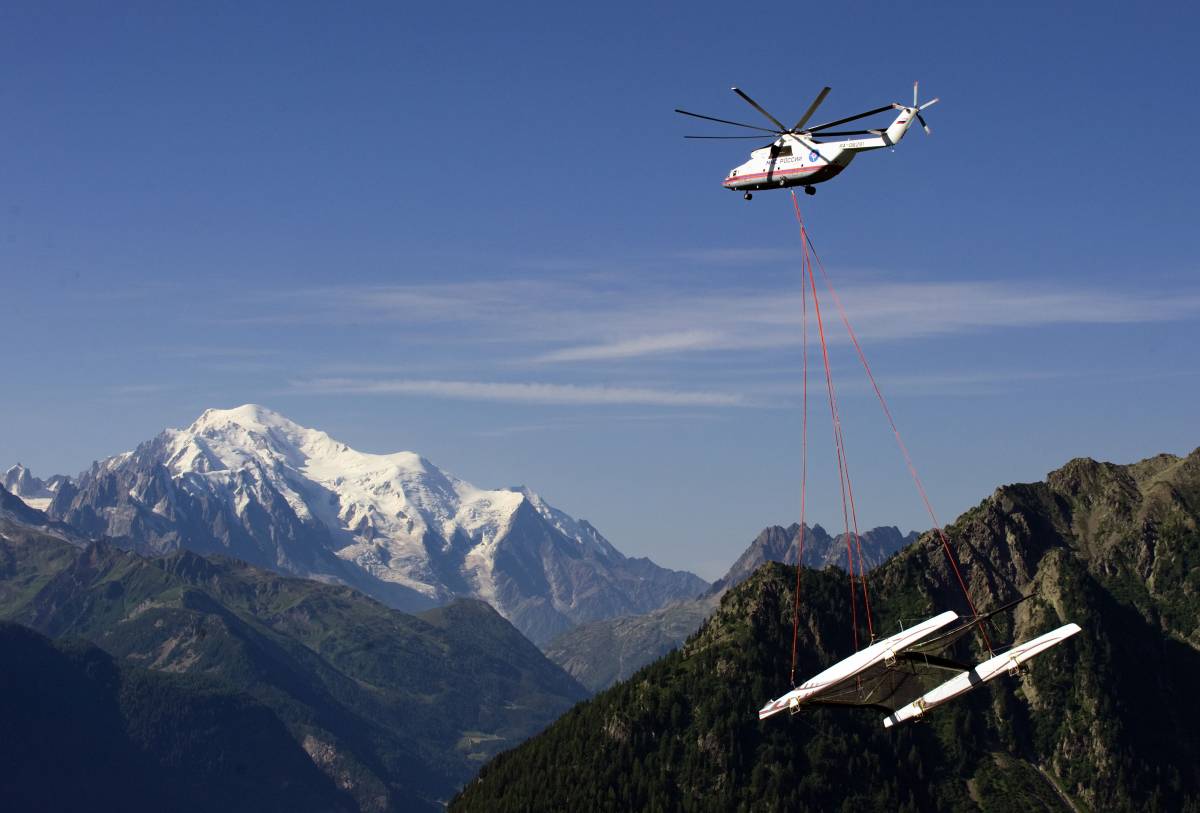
(251, 484)
(395, 711)
(600, 653)
(1106, 721)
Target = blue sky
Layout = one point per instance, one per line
(474, 231)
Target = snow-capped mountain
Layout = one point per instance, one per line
(34, 492)
(249, 483)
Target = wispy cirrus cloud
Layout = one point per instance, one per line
(878, 311)
(640, 346)
(522, 392)
(577, 421)
(424, 304)
(598, 320)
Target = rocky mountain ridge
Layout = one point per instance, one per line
(779, 544)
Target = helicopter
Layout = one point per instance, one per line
(796, 158)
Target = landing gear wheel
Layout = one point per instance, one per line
(748, 196)
(810, 190)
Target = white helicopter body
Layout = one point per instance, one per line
(797, 156)
(796, 161)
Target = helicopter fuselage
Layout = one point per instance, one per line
(795, 164)
(796, 160)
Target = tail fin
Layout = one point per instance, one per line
(900, 126)
(905, 119)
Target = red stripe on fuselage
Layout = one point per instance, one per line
(773, 174)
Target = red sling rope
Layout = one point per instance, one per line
(843, 470)
(891, 421)
(803, 476)
(844, 466)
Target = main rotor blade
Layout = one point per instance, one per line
(757, 137)
(848, 132)
(829, 124)
(921, 119)
(758, 107)
(780, 131)
(812, 108)
(929, 103)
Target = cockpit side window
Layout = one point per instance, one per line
(784, 152)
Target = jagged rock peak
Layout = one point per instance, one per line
(20, 481)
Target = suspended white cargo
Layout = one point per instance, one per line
(834, 678)
(994, 667)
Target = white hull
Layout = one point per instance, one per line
(989, 669)
(841, 671)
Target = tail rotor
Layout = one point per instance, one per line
(917, 107)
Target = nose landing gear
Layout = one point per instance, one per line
(748, 196)
(810, 190)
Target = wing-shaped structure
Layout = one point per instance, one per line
(893, 673)
(889, 685)
(989, 669)
(870, 662)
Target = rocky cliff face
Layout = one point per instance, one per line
(249, 483)
(1103, 722)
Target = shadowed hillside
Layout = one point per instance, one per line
(398, 710)
(83, 732)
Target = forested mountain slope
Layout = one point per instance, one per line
(1104, 722)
